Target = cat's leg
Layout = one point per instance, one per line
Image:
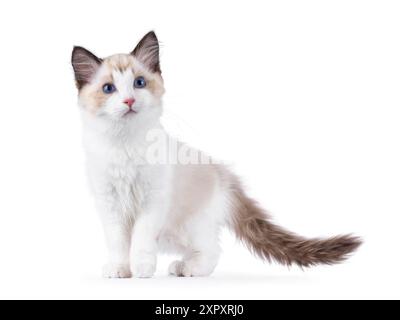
(202, 255)
(145, 235)
(118, 233)
(118, 238)
(201, 238)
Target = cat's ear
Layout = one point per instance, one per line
(148, 52)
(85, 65)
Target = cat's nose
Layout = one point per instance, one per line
(129, 102)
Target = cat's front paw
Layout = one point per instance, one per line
(144, 270)
(116, 271)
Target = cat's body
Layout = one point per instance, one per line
(163, 205)
(163, 199)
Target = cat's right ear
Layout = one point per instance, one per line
(85, 65)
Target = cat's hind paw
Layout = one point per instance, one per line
(176, 269)
(189, 269)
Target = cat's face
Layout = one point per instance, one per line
(122, 87)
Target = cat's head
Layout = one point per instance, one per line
(122, 87)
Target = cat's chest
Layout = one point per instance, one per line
(126, 175)
(122, 171)
(120, 176)
(128, 184)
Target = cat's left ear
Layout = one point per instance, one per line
(148, 52)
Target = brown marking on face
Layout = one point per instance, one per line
(154, 80)
(119, 62)
(92, 94)
(91, 73)
(124, 62)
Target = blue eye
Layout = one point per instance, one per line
(109, 88)
(139, 82)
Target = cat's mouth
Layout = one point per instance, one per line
(129, 112)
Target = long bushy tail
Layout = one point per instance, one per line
(265, 239)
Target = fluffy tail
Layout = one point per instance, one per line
(271, 242)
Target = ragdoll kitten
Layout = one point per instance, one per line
(176, 206)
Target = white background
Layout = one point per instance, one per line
(301, 96)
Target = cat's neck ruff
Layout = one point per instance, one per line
(102, 135)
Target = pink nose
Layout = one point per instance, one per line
(129, 102)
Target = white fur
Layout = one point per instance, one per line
(147, 208)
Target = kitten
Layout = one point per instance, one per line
(177, 206)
